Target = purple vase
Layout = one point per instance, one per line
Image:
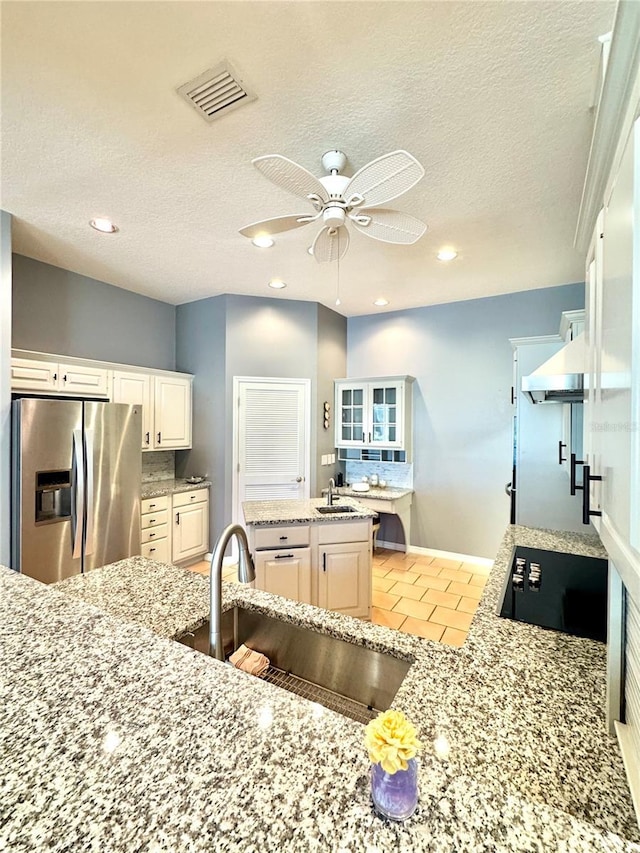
(395, 795)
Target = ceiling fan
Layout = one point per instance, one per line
(337, 200)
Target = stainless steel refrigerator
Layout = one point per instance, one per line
(75, 486)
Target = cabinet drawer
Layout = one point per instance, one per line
(156, 550)
(280, 537)
(343, 531)
(153, 504)
(186, 498)
(150, 533)
(154, 519)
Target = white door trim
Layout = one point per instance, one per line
(267, 380)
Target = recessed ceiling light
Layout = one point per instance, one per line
(263, 242)
(277, 284)
(447, 254)
(381, 302)
(106, 226)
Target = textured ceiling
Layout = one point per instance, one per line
(493, 98)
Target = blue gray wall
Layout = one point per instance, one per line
(462, 360)
(61, 312)
(228, 336)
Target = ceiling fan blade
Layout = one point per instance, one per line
(267, 227)
(330, 244)
(391, 226)
(290, 176)
(384, 178)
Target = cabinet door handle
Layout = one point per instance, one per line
(177, 518)
(324, 562)
(193, 497)
(369, 438)
(151, 535)
(574, 463)
(587, 479)
(159, 437)
(283, 556)
(64, 378)
(151, 550)
(152, 521)
(363, 438)
(561, 444)
(147, 439)
(151, 506)
(283, 538)
(513, 399)
(55, 376)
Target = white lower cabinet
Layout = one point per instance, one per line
(326, 564)
(155, 534)
(286, 573)
(344, 579)
(190, 528)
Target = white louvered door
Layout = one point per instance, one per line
(630, 738)
(272, 428)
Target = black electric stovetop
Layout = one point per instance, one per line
(565, 592)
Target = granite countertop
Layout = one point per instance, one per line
(158, 488)
(389, 493)
(299, 512)
(115, 738)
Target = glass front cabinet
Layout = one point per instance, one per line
(374, 413)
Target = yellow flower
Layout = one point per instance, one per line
(391, 741)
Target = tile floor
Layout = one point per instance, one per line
(431, 597)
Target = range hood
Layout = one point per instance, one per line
(560, 379)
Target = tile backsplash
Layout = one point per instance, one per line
(159, 465)
(396, 474)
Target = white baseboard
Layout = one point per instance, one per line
(434, 552)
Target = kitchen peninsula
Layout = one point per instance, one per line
(313, 552)
(114, 737)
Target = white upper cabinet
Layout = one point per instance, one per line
(136, 388)
(172, 412)
(165, 397)
(373, 413)
(64, 378)
(612, 407)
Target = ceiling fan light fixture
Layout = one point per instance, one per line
(277, 283)
(447, 254)
(263, 241)
(104, 225)
(381, 302)
(336, 198)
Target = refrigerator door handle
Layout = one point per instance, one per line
(78, 508)
(89, 441)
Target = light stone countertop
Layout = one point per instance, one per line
(299, 512)
(158, 488)
(389, 493)
(115, 738)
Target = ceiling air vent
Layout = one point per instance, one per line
(216, 92)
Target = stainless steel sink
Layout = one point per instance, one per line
(346, 678)
(337, 508)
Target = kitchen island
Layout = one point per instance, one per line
(313, 552)
(116, 738)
